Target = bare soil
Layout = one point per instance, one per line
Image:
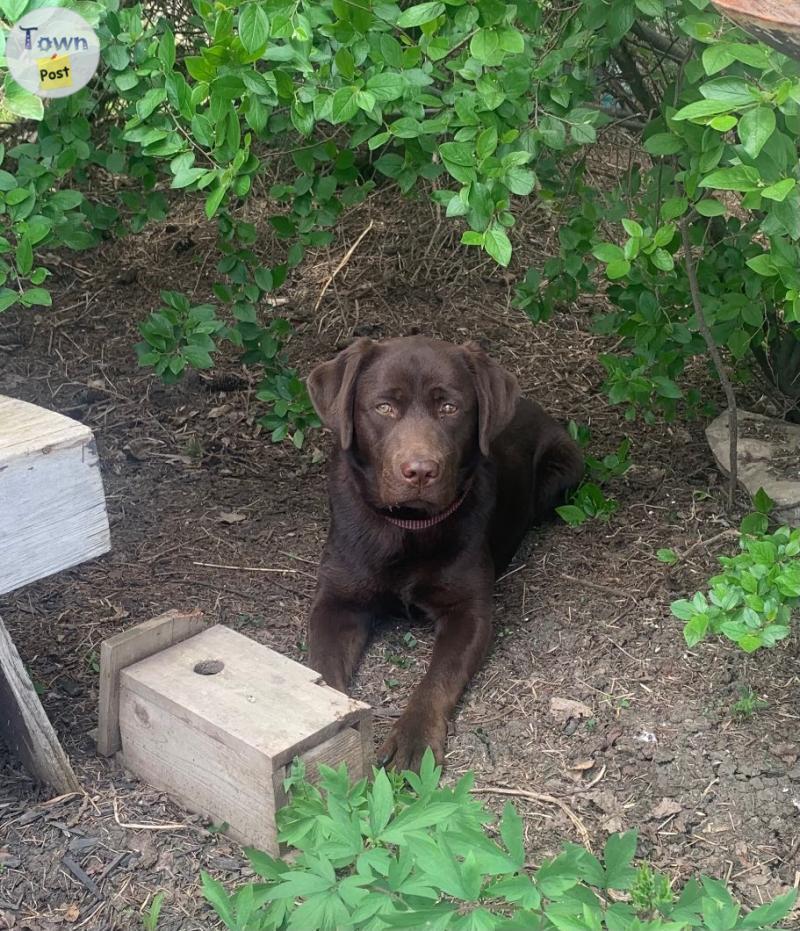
(198, 498)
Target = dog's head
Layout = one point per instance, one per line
(415, 413)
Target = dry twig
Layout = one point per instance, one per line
(547, 800)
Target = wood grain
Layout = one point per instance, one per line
(24, 725)
(52, 506)
(131, 646)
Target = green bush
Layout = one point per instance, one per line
(752, 601)
(405, 852)
(480, 102)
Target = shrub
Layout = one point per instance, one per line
(405, 852)
(752, 600)
(482, 103)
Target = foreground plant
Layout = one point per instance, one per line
(405, 852)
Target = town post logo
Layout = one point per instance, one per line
(52, 52)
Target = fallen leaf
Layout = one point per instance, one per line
(666, 808)
(231, 517)
(72, 914)
(582, 765)
(565, 708)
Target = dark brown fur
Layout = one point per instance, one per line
(419, 424)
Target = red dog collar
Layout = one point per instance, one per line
(425, 523)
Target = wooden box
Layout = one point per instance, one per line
(216, 720)
(52, 507)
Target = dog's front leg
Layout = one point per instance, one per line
(337, 635)
(463, 634)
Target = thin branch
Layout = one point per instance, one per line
(716, 358)
(672, 48)
(633, 78)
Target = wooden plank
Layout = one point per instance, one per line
(128, 647)
(226, 782)
(260, 698)
(52, 506)
(776, 22)
(24, 725)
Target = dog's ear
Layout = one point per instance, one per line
(497, 391)
(332, 388)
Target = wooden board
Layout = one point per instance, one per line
(52, 507)
(24, 725)
(130, 647)
(261, 699)
(229, 783)
(776, 22)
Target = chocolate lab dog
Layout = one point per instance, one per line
(439, 469)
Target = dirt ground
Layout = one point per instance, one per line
(582, 615)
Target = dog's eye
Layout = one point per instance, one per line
(448, 408)
(384, 409)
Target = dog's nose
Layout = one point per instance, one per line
(420, 471)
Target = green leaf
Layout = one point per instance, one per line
(7, 298)
(618, 268)
(38, 296)
(583, 133)
(762, 502)
(387, 86)
(771, 913)
(702, 108)
(571, 514)
(13, 9)
(695, 630)
(672, 208)
(736, 178)
(344, 106)
(253, 26)
(617, 856)
(651, 7)
(345, 63)
(459, 160)
(763, 265)
(755, 128)
(472, 238)
(512, 833)
(717, 57)
(381, 803)
(485, 46)
(663, 144)
(608, 252)
(668, 556)
(666, 387)
(420, 14)
(552, 132)
(486, 143)
(498, 245)
(662, 260)
(21, 102)
(723, 123)
(780, 190)
(24, 256)
(511, 40)
(709, 207)
(682, 609)
(520, 180)
(749, 54)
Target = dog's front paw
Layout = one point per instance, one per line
(410, 737)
